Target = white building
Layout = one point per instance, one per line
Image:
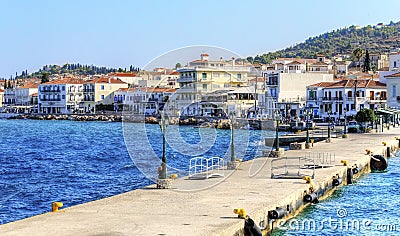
(352, 95)
(143, 100)
(393, 90)
(160, 77)
(60, 96)
(1, 97)
(394, 65)
(131, 78)
(289, 91)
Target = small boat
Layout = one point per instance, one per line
(203, 125)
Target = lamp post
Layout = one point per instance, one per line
(164, 122)
(307, 119)
(276, 130)
(345, 119)
(329, 125)
(232, 117)
(376, 122)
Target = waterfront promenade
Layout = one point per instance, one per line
(151, 211)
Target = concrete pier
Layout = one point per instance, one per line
(152, 211)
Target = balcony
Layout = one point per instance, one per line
(88, 90)
(186, 80)
(50, 99)
(50, 90)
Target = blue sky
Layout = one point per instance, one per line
(121, 33)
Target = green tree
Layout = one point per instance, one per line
(365, 115)
(178, 65)
(358, 53)
(45, 78)
(367, 62)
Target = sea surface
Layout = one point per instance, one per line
(368, 207)
(76, 162)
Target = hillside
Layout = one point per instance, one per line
(380, 38)
(76, 69)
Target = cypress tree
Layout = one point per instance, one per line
(367, 62)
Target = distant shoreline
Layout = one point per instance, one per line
(198, 121)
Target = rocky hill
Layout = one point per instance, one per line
(376, 39)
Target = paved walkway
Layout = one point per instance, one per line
(209, 211)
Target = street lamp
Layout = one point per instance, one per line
(232, 118)
(345, 119)
(164, 122)
(307, 119)
(276, 130)
(329, 124)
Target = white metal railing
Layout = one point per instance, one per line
(292, 168)
(204, 168)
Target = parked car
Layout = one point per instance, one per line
(353, 127)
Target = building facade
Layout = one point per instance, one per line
(393, 90)
(205, 76)
(99, 91)
(345, 97)
(60, 96)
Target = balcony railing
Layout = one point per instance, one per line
(50, 90)
(50, 99)
(88, 90)
(186, 79)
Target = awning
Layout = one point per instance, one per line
(387, 111)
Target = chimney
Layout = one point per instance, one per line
(233, 62)
(109, 80)
(204, 57)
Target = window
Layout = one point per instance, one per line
(63, 88)
(394, 64)
(239, 76)
(102, 88)
(102, 96)
(204, 75)
(393, 90)
(63, 96)
(273, 92)
(216, 74)
(204, 86)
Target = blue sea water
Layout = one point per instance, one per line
(77, 162)
(368, 207)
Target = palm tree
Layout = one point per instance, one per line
(358, 53)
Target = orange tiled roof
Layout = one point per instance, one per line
(259, 79)
(1, 91)
(124, 74)
(393, 75)
(34, 94)
(106, 80)
(66, 81)
(29, 85)
(322, 84)
(302, 60)
(157, 90)
(128, 89)
(349, 83)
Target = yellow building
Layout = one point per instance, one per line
(204, 76)
(99, 91)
